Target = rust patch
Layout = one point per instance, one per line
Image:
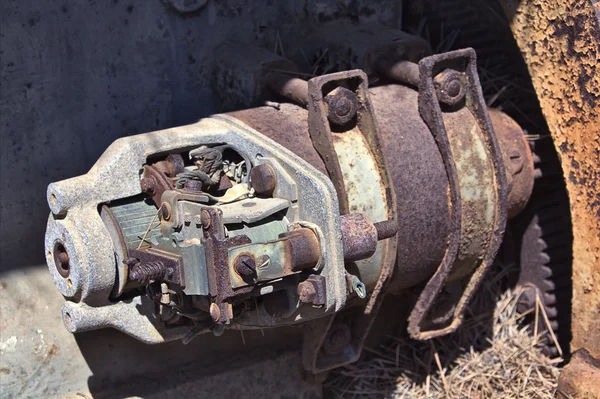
(559, 41)
(580, 378)
(518, 160)
(288, 126)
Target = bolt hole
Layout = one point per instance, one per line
(69, 283)
(53, 199)
(61, 259)
(68, 321)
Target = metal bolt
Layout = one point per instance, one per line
(215, 312)
(342, 105)
(245, 265)
(148, 185)
(386, 229)
(264, 179)
(453, 88)
(143, 273)
(449, 86)
(205, 219)
(307, 292)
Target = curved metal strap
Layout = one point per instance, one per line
(359, 318)
(429, 108)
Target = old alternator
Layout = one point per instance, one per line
(296, 213)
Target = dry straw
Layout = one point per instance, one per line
(493, 355)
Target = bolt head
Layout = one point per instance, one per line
(449, 86)
(306, 292)
(205, 219)
(245, 265)
(148, 185)
(263, 179)
(453, 88)
(342, 105)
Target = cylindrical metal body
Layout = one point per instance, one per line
(416, 167)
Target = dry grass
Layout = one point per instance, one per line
(493, 355)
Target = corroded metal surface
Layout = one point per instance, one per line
(559, 41)
(358, 235)
(518, 160)
(408, 144)
(580, 378)
(477, 194)
(379, 204)
(286, 124)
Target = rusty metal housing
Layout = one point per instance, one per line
(305, 211)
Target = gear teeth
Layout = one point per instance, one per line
(544, 258)
(549, 299)
(551, 312)
(546, 271)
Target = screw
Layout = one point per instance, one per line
(342, 105)
(245, 265)
(143, 273)
(307, 292)
(148, 185)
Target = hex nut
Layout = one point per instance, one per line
(342, 105)
(449, 87)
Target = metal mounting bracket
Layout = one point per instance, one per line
(317, 354)
(478, 193)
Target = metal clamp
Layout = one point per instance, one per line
(478, 187)
(338, 339)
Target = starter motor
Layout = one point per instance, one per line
(304, 210)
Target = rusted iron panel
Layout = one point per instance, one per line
(559, 41)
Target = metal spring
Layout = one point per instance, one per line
(145, 272)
